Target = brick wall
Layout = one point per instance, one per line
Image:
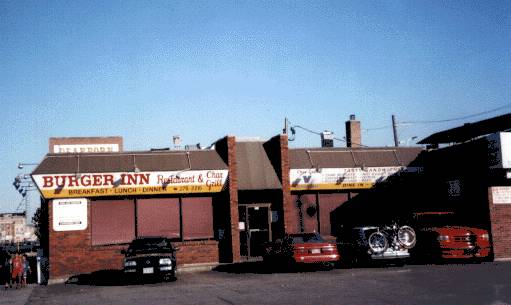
(72, 253)
(500, 216)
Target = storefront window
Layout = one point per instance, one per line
(158, 217)
(197, 218)
(112, 221)
(120, 221)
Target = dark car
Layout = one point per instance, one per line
(302, 248)
(153, 257)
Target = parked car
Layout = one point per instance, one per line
(368, 243)
(301, 248)
(150, 257)
(443, 235)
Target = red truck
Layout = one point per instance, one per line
(442, 235)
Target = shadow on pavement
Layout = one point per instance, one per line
(260, 267)
(110, 277)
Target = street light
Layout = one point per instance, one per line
(21, 165)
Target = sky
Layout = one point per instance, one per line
(148, 70)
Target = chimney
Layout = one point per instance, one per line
(353, 132)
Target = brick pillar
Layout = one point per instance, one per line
(286, 186)
(230, 245)
(500, 218)
(233, 199)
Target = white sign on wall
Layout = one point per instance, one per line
(343, 178)
(499, 150)
(501, 194)
(454, 188)
(85, 148)
(69, 214)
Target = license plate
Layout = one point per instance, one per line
(148, 270)
(315, 251)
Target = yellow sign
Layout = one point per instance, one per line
(129, 184)
(343, 178)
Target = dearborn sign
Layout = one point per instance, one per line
(130, 183)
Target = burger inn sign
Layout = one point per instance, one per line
(129, 183)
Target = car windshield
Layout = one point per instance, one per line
(150, 244)
(307, 238)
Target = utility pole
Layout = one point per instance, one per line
(394, 129)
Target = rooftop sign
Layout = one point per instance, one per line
(80, 145)
(130, 183)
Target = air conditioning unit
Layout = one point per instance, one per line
(499, 150)
(327, 139)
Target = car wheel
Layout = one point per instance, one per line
(170, 277)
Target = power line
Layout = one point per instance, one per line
(439, 121)
(377, 128)
(458, 118)
(319, 133)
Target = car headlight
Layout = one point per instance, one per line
(443, 238)
(485, 236)
(165, 261)
(130, 263)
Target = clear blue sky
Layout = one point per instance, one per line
(147, 70)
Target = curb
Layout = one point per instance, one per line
(196, 267)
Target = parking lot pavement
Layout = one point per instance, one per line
(251, 283)
(14, 296)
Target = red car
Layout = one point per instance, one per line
(442, 236)
(301, 248)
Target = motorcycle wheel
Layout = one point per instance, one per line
(378, 242)
(406, 237)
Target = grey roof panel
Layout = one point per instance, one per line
(255, 171)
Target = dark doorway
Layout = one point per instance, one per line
(255, 228)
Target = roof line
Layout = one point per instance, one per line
(351, 151)
(116, 154)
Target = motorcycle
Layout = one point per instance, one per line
(391, 240)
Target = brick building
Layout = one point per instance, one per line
(221, 204)
(15, 229)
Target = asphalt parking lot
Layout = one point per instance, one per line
(250, 283)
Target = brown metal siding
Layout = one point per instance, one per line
(328, 203)
(112, 221)
(158, 217)
(197, 218)
(127, 161)
(356, 157)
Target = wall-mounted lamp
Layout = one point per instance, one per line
(21, 164)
